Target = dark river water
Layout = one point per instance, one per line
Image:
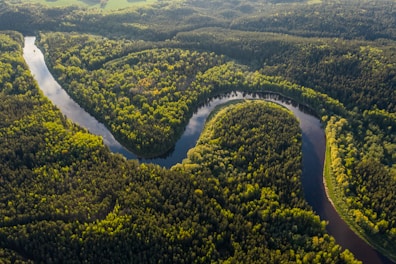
(313, 146)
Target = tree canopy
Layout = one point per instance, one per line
(143, 72)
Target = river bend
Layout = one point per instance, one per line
(313, 146)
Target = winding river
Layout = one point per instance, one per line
(313, 146)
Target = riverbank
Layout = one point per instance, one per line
(337, 200)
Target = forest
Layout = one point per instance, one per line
(66, 198)
(237, 197)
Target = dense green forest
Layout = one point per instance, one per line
(348, 19)
(145, 97)
(66, 198)
(143, 72)
(126, 91)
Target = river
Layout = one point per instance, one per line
(313, 146)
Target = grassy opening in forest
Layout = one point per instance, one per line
(107, 5)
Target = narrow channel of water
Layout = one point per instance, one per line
(313, 146)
